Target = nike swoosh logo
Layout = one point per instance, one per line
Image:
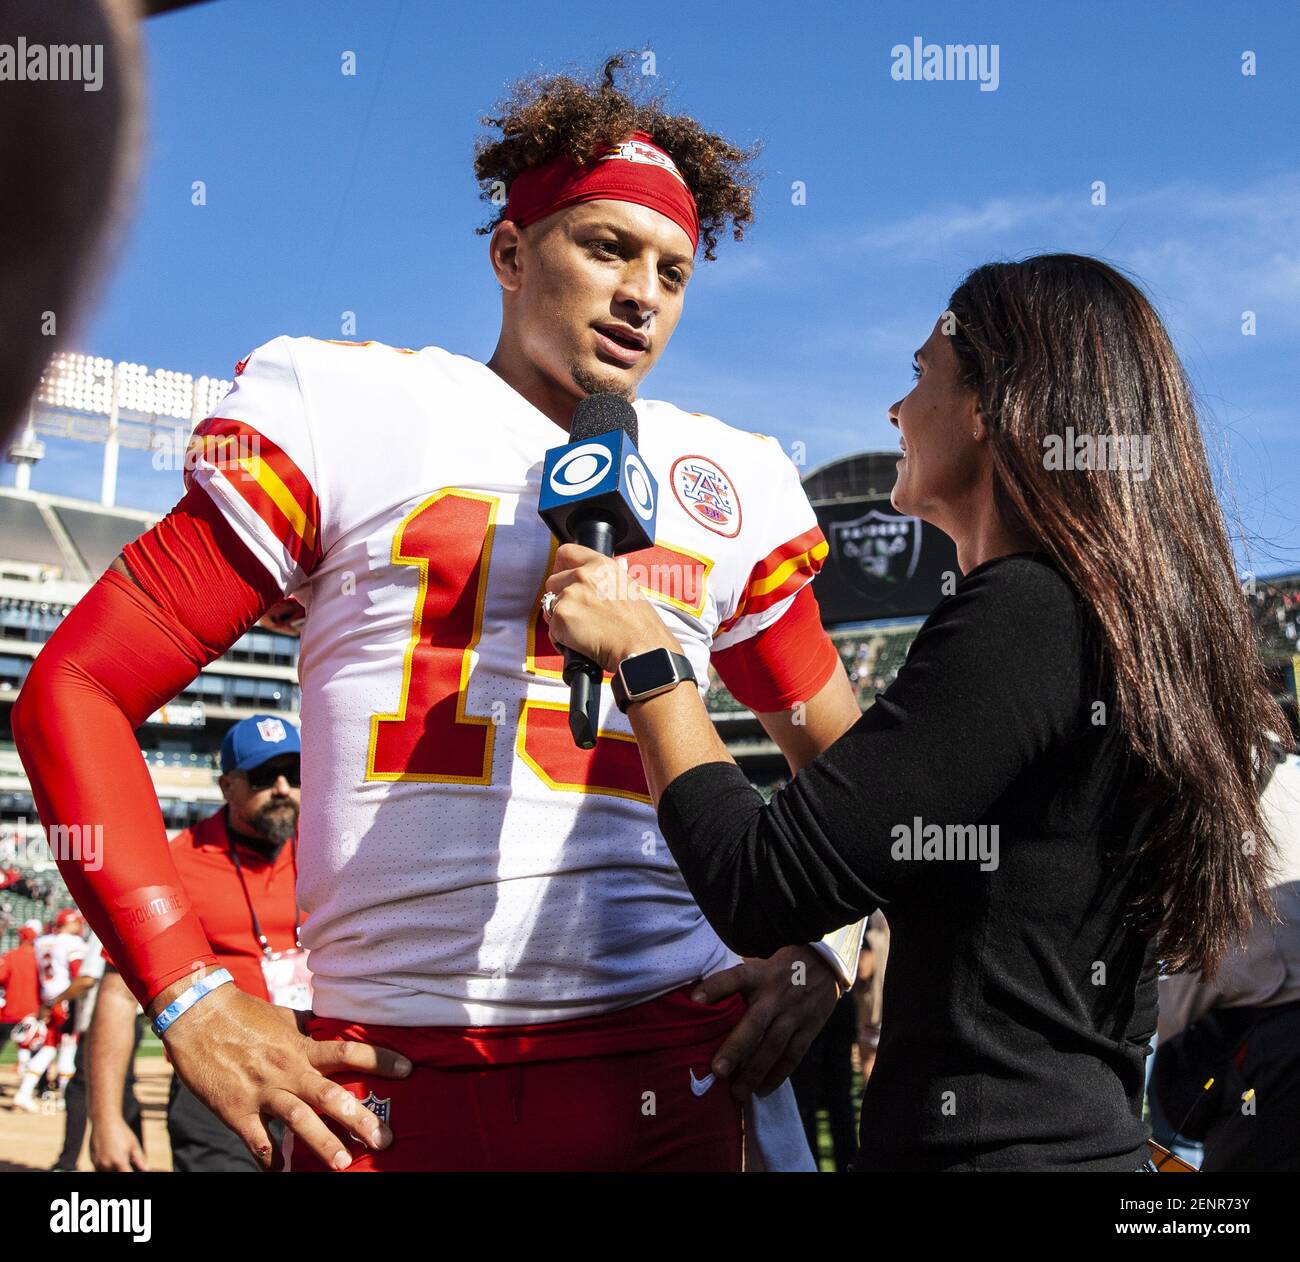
(700, 1085)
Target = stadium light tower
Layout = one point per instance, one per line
(25, 450)
(91, 399)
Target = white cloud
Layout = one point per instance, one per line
(919, 235)
(733, 266)
(1205, 253)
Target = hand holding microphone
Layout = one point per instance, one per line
(597, 492)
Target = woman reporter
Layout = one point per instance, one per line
(1058, 789)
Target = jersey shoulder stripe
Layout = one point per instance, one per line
(780, 575)
(265, 477)
(805, 550)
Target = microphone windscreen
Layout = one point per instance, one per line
(601, 413)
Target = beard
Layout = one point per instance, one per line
(592, 383)
(276, 822)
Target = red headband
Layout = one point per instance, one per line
(635, 171)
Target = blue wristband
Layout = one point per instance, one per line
(185, 1001)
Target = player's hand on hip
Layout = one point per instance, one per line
(789, 996)
(248, 1062)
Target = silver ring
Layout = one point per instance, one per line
(548, 604)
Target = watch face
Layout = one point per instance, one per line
(646, 671)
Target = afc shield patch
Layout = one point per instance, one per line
(706, 493)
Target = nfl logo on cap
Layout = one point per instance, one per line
(253, 740)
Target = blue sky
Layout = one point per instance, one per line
(328, 193)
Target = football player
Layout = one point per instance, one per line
(506, 961)
(59, 955)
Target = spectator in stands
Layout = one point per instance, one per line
(66, 160)
(1051, 796)
(240, 867)
(1242, 1029)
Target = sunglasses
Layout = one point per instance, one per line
(267, 774)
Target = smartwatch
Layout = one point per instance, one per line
(646, 675)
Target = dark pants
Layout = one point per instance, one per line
(201, 1142)
(74, 1104)
(74, 1101)
(824, 1079)
(1242, 1049)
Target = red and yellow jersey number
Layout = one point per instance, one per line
(431, 736)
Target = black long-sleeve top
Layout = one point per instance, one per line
(1018, 1000)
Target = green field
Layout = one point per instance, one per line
(150, 1045)
(825, 1159)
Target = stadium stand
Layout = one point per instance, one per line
(871, 656)
(27, 536)
(1275, 608)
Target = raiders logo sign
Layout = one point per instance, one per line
(876, 548)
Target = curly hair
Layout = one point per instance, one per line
(544, 116)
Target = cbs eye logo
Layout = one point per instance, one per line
(582, 468)
(588, 465)
(640, 486)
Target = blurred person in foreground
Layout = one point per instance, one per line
(1050, 796)
(68, 151)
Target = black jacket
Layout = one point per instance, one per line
(987, 802)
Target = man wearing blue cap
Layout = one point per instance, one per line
(239, 868)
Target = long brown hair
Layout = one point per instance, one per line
(1061, 345)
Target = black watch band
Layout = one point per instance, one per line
(646, 675)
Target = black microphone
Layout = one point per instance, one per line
(596, 491)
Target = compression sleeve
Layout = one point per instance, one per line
(785, 663)
(122, 652)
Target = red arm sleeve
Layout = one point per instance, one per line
(788, 662)
(122, 652)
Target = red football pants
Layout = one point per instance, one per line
(630, 1111)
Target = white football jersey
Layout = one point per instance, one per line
(58, 958)
(460, 861)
